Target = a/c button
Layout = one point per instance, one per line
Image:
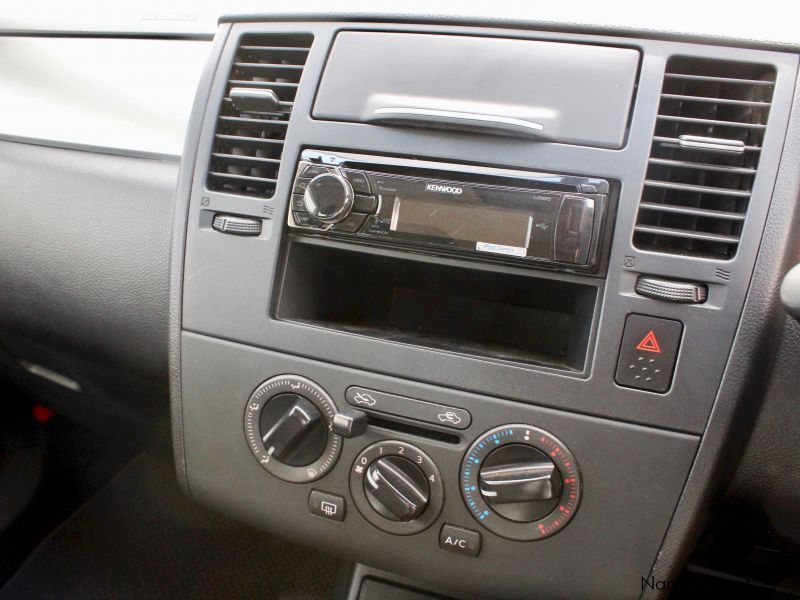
(460, 540)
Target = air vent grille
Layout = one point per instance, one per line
(704, 157)
(247, 147)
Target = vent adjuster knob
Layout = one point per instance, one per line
(668, 290)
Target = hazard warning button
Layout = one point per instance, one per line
(648, 353)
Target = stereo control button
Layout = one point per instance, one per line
(297, 203)
(365, 204)
(351, 224)
(312, 171)
(459, 540)
(300, 185)
(303, 219)
(574, 230)
(358, 180)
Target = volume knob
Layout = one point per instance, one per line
(328, 197)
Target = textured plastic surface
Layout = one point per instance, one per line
(632, 477)
(85, 244)
(766, 485)
(790, 292)
(578, 94)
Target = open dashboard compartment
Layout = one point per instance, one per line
(517, 317)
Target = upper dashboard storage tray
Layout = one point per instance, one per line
(558, 92)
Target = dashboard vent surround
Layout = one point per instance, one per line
(703, 161)
(248, 141)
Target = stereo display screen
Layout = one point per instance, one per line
(497, 229)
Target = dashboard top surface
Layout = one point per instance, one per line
(184, 18)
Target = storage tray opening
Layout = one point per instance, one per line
(498, 315)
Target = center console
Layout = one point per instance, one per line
(451, 302)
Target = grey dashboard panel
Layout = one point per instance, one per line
(227, 292)
(527, 88)
(608, 546)
(85, 244)
(766, 486)
(756, 373)
(114, 95)
(213, 290)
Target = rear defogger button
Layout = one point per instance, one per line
(648, 353)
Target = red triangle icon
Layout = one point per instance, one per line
(649, 343)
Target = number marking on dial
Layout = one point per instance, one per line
(429, 469)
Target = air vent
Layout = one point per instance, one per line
(252, 123)
(704, 157)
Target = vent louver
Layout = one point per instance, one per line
(704, 157)
(248, 143)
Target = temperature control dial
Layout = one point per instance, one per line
(329, 197)
(288, 423)
(396, 487)
(520, 482)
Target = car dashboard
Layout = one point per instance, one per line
(483, 307)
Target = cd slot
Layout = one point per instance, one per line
(500, 315)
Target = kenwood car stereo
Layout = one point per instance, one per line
(513, 215)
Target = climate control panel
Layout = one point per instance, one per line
(448, 487)
(517, 481)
